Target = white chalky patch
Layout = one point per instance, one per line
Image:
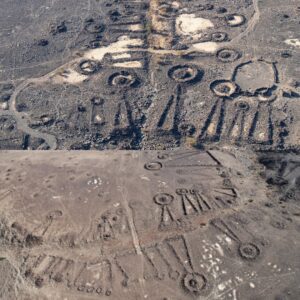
(210, 47)
(69, 76)
(122, 45)
(121, 56)
(293, 42)
(129, 64)
(189, 24)
(136, 27)
(95, 181)
(236, 20)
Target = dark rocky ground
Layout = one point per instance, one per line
(138, 75)
(188, 76)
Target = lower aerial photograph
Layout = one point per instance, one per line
(150, 149)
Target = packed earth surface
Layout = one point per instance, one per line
(162, 149)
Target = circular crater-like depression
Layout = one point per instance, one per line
(223, 88)
(153, 166)
(123, 79)
(228, 55)
(88, 67)
(195, 283)
(185, 73)
(235, 20)
(163, 199)
(248, 251)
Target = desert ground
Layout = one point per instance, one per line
(149, 149)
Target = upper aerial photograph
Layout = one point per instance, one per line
(150, 149)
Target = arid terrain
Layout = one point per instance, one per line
(162, 149)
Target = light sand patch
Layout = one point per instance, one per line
(211, 129)
(136, 27)
(4, 106)
(69, 76)
(122, 45)
(235, 131)
(293, 42)
(189, 24)
(129, 64)
(98, 119)
(121, 56)
(120, 50)
(175, 4)
(209, 47)
(235, 20)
